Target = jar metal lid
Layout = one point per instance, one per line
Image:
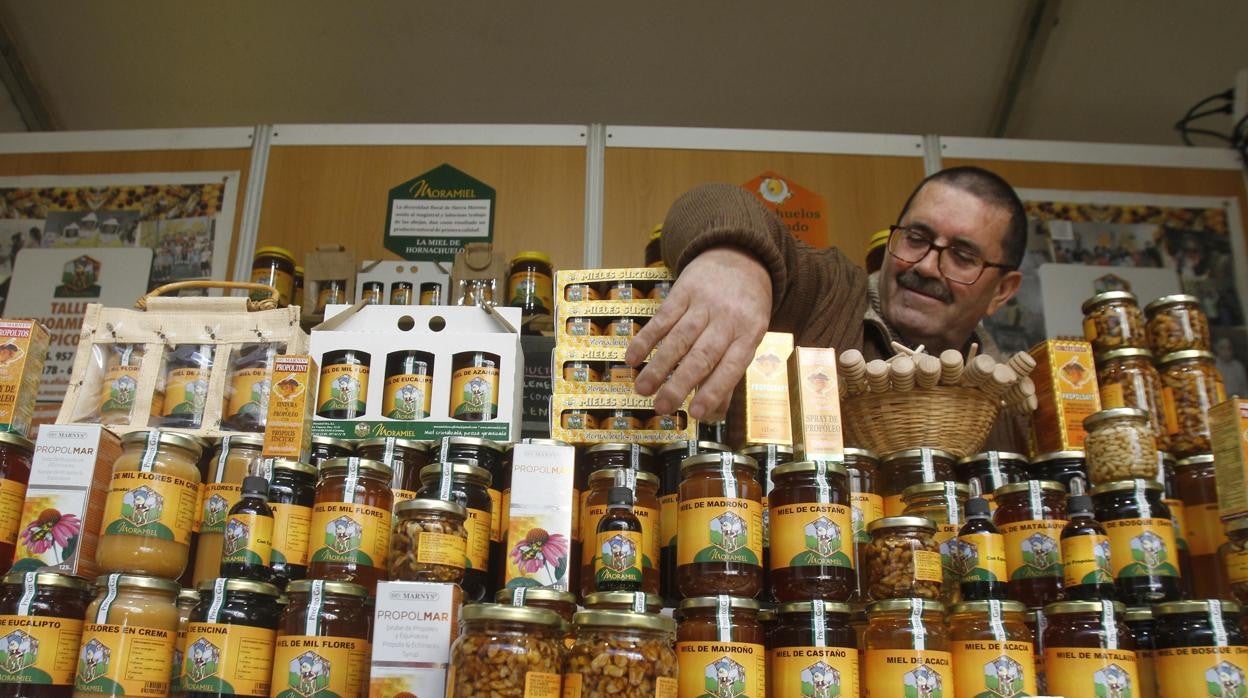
(244, 440)
(1198, 459)
(510, 614)
(1107, 297)
(469, 441)
(274, 251)
(1130, 413)
(1127, 486)
(17, 440)
(244, 585)
(1016, 487)
(807, 466)
(1171, 608)
(603, 474)
(618, 448)
(808, 606)
(398, 443)
(189, 595)
(986, 607)
(304, 586)
(1124, 353)
(620, 598)
(1136, 613)
(1064, 607)
(766, 615)
(138, 581)
(1166, 458)
(431, 506)
(1057, 455)
(506, 596)
(295, 466)
(167, 438)
(336, 443)
(756, 450)
(1173, 299)
(929, 488)
(986, 457)
(531, 256)
(624, 619)
(700, 446)
(1185, 355)
(364, 464)
(893, 605)
(539, 442)
(901, 522)
(51, 579)
(734, 602)
(861, 453)
(918, 453)
(1236, 525)
(467, 471)
(714, 459)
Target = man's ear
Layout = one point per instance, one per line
(1006, 288)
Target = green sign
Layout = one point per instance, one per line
(433, 216)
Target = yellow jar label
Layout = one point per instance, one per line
(371, 295)
(1081, 671)
(249, 393)
(330, 294)
(324, 667)
(918, 673)
(540, 684)
(408, 396)
(12, 496)
(806, 535)
(716, 529)
(667, 520)
(617, 557)
(994, 668)
(946, 536)
(1086, 560)
(350, 533)
(1142, 548)
(278, 279)
(228, 659)
(474, 392)
(291, 523)
(504, 516)
(401, 496)
(39, 650)
(1089, 329)
(1146, 666)
(894, 506)
(440, 549)
(927, 566)
(343, 387)
(573, 684)
(1178, 516)
(248, 540)
(186, 390)
(813, 671)
(151, 505)
(865, 508)
(401, 294)
(128, 660)
(978, 557)
(1111, 396)
(713, 669)
(1202, 671)
(430, 297)
(1032, 549)
(117, 393)
(215, 503)
(1237, 566)
(1203, 529)
(531, 284)
(496, 515)
(478, 549)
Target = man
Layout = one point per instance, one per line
(951, 260)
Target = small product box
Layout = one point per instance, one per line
(23, 349)
(1228, 422)
(69, 480)
(292, 398)
(1066, 388)
(763, 414)
(414, 625)
(541, 517)
(817, 410)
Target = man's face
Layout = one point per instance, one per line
(917, 300)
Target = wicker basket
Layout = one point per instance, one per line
(950, 418)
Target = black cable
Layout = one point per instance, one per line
(1182, 124)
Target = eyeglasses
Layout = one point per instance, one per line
(961, 266)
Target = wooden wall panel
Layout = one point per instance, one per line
(862, 193)
(320, 195)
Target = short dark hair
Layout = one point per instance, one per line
(992, 189)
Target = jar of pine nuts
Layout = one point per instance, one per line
(1120, 445)
(1177, 323)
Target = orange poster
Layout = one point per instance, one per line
(800, 209)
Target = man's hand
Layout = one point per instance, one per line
(709, 327)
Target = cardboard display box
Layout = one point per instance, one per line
(760, 412)
(1065, 378)
(816, 406)
(1228, 422)
(391, 271)
(639, 424)
(23, 350)
(326, 263)
(540, 499)
(414, 626)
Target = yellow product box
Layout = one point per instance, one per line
(541, 517)
(292, 400)
(816, 410)
(591, 371)
(760, 411)
(64, 505)
(604, 308)
(414, 626)
(1228, 422)
(1065, 378)
(581, 419)
(23, 349)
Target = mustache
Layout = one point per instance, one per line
(910, 279)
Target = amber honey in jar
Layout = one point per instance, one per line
(474, 386)
(720, 518)
(901, 469)
(349, 536)
(15, 458)
(1031, 516)
(812, 533)
(1200, 649)
(1143, 551)
(812, 645)
(330, 292)
(128, 638)
(408, 391)
(1177, 323)
(581, 326)
(992, 469)
(343, 390)
(230, 639)
(405, 458)
(645, 489)
(120, 380)
(237, 457)
(1234, 557)
(150, 508)
(908, 650)
(247, 392)
(864, 496)
(1112, 320)
(1178, 517)
(184, 387)
(581, 292)
(1143, 627)
(671, 457)
(468, 486)
(324, 628)
(324, 448)
(992, 649)
(292, 493)
(431, 293)
(489, 455)
(1196, 487)
(373, 292)
(274, 266)
(42, 613)
(768, 456)
(720, 643)
(530, 284)
(942, 504)
(1089, 650)
(1059, 466)
(401, 293)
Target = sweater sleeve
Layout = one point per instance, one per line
(817, 294)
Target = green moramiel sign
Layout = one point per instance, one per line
(431, 217)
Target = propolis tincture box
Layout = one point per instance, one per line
(414, 626)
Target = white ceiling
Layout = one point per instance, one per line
(1112, 70)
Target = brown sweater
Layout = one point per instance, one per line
(818, 295)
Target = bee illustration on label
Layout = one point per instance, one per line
(93, 661)
(725, 679)
(202, 660)
(820, 681)
(1113, 682)
(923, 683)
(729, 532)
(18, 650)
(1003, 677)
(309, 674)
